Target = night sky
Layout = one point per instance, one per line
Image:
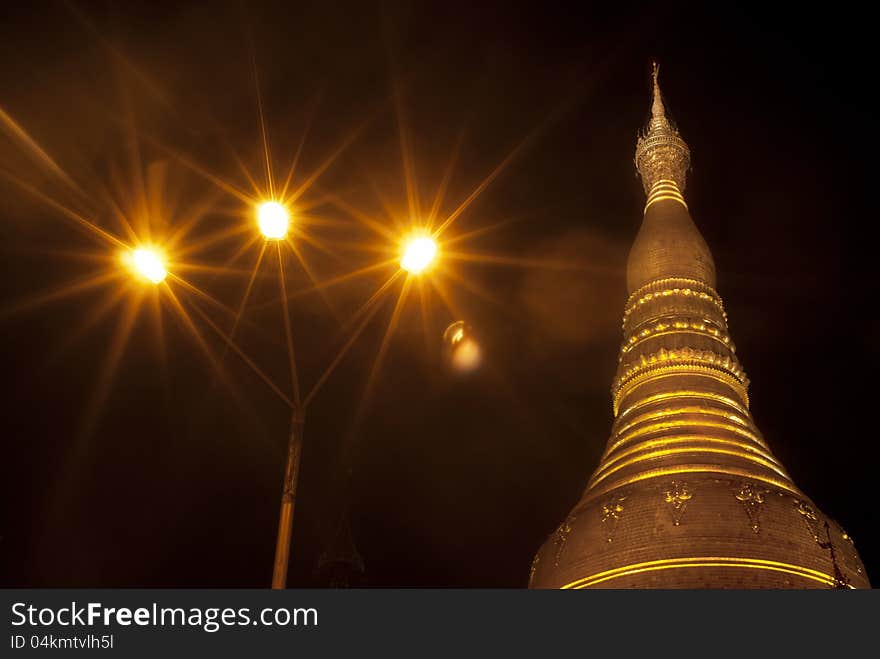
(168, 474)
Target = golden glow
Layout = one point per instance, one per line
(703, 561)
(273, 220)
(148, 263)
(418, 254)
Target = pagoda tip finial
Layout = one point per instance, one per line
(661, 153)
(657, 109)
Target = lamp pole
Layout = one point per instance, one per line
(288, 498)
(273, 219)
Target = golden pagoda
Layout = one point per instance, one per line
(687, 493)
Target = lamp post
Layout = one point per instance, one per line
(273, 220)
(288, 498)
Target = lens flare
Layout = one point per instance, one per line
(418, 254)
(149, 264)
(467, 356)
(462, 348)
(273, 219)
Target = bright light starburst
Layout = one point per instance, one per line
(418, 254)
(149, 264)
(273, 219)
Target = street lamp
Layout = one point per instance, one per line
(418, 253)
(148, 263)
(272, 217)
(273, 220)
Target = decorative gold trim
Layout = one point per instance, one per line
(677, 327)
(786, 485)
(692, 440)
(603, 473)
(666, 292)
(611, 512)
(852, 545)
(663, 371)
(677, 496)
(808, 514)
(664, 181)
(669, 283)
(686, 409)
(671, 316)
(666, 197)
(562, 536)
(534, 567)
(684, 355)
(685, 393)
(752, 499)
(703, 561)
(666, 425)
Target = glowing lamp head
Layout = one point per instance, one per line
(273, 220)
(149, 264)
(418, 254)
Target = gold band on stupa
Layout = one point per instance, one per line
(663, 190)
(703, 562)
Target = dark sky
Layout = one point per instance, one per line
(172, 478)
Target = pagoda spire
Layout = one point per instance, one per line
(669, 243)
(658, 112)
(687, 494)
(662, 156)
